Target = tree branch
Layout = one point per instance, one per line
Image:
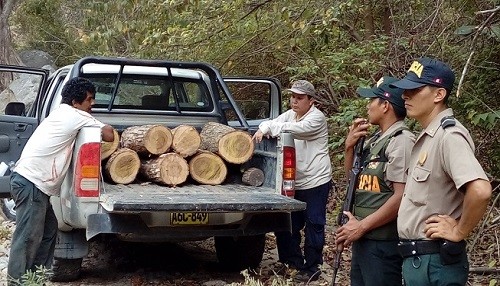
(472, 46)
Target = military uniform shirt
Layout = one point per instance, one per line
(441, 163)
(398, 152)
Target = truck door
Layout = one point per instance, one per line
(258, 99)
(20, 90)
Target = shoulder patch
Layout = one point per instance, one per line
(447, 121)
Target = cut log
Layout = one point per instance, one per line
(207, 168)
(186, 140)
(234, 146)
(210, 135)
(108, 148)
(147, 139)
(169, 169)
(122, 166)
(253, 177)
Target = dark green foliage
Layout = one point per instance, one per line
(337, 45)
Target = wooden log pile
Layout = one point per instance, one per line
(166, 156)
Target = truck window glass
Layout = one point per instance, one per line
(18, 87)
(252, 98)
(149, 92)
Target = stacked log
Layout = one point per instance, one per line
(170, 156)
(108, 148)
(147, 139)
(168, 169)
(234, 146)
(207, 168)
(186, 140)
(122, 166)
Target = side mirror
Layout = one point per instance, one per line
(15, 108)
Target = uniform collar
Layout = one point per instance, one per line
(436, 122)
(389, 130)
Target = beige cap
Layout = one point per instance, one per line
(303, 87)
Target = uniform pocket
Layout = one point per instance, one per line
(419, 193)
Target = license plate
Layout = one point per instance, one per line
(186, 218)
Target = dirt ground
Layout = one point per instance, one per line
(116, 263)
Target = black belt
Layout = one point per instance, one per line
(409, 248)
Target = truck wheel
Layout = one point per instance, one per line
(240, 252)
(7, 205)
(65, 270)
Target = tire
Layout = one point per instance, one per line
(66, 270)
(240, 252)
(7, 206)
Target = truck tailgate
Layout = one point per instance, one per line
(203, 198)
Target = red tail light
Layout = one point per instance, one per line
(289, 165)
(87, 171)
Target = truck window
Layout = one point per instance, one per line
(252, 98)
(18, 87)
(151, 93)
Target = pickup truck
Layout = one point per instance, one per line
(131, 92)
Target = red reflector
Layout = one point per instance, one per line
(87, 169)
(289, 169)
(289, 163)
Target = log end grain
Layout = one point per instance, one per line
(122, 166)
(236, 147)
(207, 168)
(186, 140)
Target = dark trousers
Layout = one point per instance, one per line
(376, 262)
(34, 239)
(312, 220)
(427, 270)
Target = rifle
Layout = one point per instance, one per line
(349, 199)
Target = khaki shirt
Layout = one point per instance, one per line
(398, 153)
(441, 163)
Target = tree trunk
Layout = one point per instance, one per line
(7, 53)
(108, 148)
(169, 169)
(253, 177)
(234, 146)
(186, 140)
(123, 166)
(207, 168)
(147, 139)
(369, 23)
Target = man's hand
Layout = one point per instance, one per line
(349, 232)
(444, 227)
(358, 128)
(258, 136)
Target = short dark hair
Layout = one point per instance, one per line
(76, 89)
(398, 110)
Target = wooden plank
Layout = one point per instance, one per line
(204, 198)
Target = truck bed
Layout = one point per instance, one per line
(203, 198)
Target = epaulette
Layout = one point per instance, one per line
(447, 121)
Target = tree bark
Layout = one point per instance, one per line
(253, 177)
(147, 139)
(186, 140)
(168, 169)
(207, 168)
(122, 166)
